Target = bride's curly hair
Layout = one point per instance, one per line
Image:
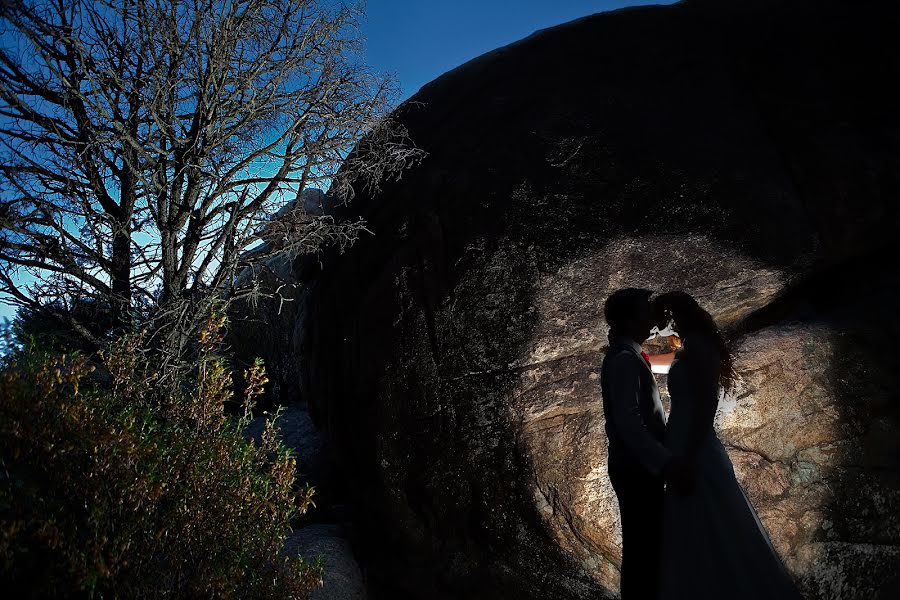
(687, 315)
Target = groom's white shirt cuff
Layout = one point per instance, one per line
(625, 390)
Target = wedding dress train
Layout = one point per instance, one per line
(714, 545)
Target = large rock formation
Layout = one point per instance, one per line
(747, 152)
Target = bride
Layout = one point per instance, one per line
(714, 545)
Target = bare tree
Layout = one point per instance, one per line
(146, 144)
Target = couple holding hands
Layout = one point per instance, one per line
(688, 530)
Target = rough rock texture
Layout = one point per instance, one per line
(748, 153)
(251, 331)
(342, 579)
(297, 431)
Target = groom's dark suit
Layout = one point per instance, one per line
(635, 427)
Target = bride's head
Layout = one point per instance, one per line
(680, 311)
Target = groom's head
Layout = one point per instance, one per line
(628, 312)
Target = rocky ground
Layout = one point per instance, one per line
(326, 530)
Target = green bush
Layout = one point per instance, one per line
(40, 327)
(110, 488)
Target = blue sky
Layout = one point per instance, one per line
(418, 40)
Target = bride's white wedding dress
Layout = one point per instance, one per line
(714, 545)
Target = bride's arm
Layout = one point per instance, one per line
(702, 361)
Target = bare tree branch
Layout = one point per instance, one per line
(147, 145)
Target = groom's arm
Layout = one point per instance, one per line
(625, 387)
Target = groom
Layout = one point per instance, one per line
(639, 463)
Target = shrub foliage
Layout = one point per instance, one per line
(110, 488)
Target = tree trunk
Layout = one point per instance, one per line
(121, 277)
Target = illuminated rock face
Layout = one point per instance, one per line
(812, 429)
(453, 357)
(814, 442)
